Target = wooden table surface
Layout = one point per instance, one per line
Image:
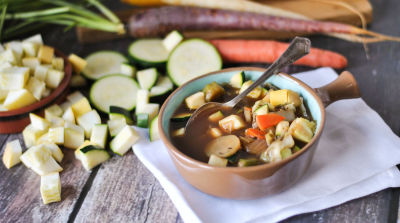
(123, 190)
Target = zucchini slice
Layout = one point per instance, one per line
(127, 69)
(192, 58)
(91, 156)
(154, 135)
(147, 78)
(237, 80)
(162, 87)
(142, 120)
(114, 90)
(148, 52)
(103, 63)
(183, 117)
(119, 112)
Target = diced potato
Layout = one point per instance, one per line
(217, 161)
(58, 63)
(55, 151)
(150, 109)
(50, 188)
(69, 116)
(302, 129)
(179, 132)
(45, 54)
(41, 72)
(125, 139)
(81, 107)
(77, 62)
(247, 114)
(74, 136)
(14, 78)
(54, 78)
(88, 120)
(18, 99)
(284, 96)
(255, 93)
(215, 132)
(30, 48)
(213, 91)
(36, 87)
(39, 122)
(282, 128)
(75, 96)
(195, 101)
(231, 123)
(54, 110)
(99, 135)
(31, 135)
(40, 160)
(31, 63)
(56, 135)
(91, 157)
(11, 154)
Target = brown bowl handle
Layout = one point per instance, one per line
(344, 87)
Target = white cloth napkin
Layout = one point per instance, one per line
(356, 156)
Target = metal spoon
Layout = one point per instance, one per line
(298, 48)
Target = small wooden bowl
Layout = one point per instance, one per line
(14, 121)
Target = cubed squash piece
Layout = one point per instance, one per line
(88, 120)
(99, 135)
(213, 91)
(36, 87)
(196, 100)
(215, 117)
(81, 107)
(124, 140)
(74, 136)
(255, 93)
(3, 94)
(302, 129)
(215, 132)
(217, 161)
(281, 128)
(14, 78)
(150, 109)
(41, 72)
(40, 160)
(115, 126)
(18, 99)
(55, 121)
(77, 81)
(8, 56)
(39, 122)
(12, 153)
(75, 97)
(231, 123)
(54, 78)
(31, 63)
(91, 156)
(50, 188)
(55, 151)
(45, 54)
(57, 63)
(77, 62)
(31, 135)
(54, 110)
(69, 116)
(30, 49)
(37, 38)
(56, 135)
(284, 96)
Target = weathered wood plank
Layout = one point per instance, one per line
(125, 191)
(20, 199)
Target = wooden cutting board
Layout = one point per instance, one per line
(310, 8)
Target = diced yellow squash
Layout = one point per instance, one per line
(36, 87)
(45, 54)
(16, 47)
(30, 48)
(41, 72)
(56, 135)
(31, 135)
(55, 151)
(255, 93)
(74, 136)
(116, 125)
(215, 117)
(215, 132)
(39, 122)
(55, 110)
(179, 132)
(50, 188)
(3, 94)
(55, 121)
(40, 160)
(58, 63)
(302, 129)
(231, 123)
(284, 96)
(54, 78)
(8, 56)
(77, 62)
(91, 158)
(281, 128)
(217, 161)
(37, 38)
(81, 107)
(18, 99)
(99, 135)
(69, 116)
(77, 81)
(14, 78)
(75, 96)
(88, 120)
(11, 154)
(46, 92)
(196, 100)
(125, 139)
(31, 63)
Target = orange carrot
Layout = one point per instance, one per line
(267, 51)
(268, 120)
(255, 133)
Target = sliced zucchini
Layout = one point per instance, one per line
(114, 90)
(154, 134)
(262, 110)
(99, 135)
(151, 109)
(115, 126)
(142, 120)
(182, 117)
(191, 59)
(124, 140)
(237, 80)
(223, 146)
(91, 156)
(116, 112)
(88, 120)
(162, 87)
(127, 69)
(74, 135)
(172, 40)
(148, 52)
(103, 63)
(147, 78)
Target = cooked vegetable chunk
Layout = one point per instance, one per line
(232, 123)
(12, 153)
(213, 91)
(74, 136)
(40, 160)
(50, 188)
(31, 135)
(124, 140)
(223, 146)
(81, 107)
(302, 129)
(217, 161)
(195, 101)
(282, 97)
(99, 135)
(91, 156)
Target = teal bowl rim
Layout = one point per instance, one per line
(203, 165)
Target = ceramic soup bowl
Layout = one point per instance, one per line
(266, 179)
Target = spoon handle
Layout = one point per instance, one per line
(298, 48)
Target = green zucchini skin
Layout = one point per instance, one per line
(122, 111)
(181, 117)
(142, 120)
(143, 62)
